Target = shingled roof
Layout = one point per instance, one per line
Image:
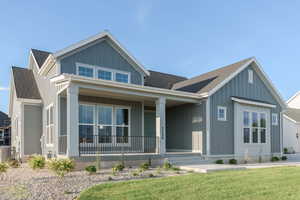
(293, 113)
(206, 82)
(40, 56)
(25, 83)
(162, 80)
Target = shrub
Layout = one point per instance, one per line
(91, 169)
(151, 175)
(175, 168)
(61, 166)
(3, 167)
(135, 173)
(37, 162)
(219, 162)
(145, 166)
(274, 159)
(118, 168)
(109, 178)
(14, 163)
(285, 150)
(167, 165)
(283, 158)
(233, 161)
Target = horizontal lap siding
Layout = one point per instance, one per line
(222, 133)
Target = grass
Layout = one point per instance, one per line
(260, 184)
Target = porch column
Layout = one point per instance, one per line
(72, 121)
(161, 124)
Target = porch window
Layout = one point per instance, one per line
(86, 71)
(49, 125)
(104, 75)
(122, 77)
(105, 124)
(86, 123)
(122, 125)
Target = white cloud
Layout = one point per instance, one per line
(143, 11)
(4, 88)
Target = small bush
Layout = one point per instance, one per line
(135, 173)
(274, 159)
(118, 168)
(91, 169)
(167, 165)
(109, 178)
(3, 167)
(233, 161)
(145, 166)
(61, 166)
(283, 158)
(285, 150)
(175, 168)
(14, 163)
(151, 175)
(37, 162)
(219, 162)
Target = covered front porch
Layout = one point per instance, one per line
(108, 121)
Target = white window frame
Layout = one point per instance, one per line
(97, 68)
(114, 125)
(276, 119)
(250, 76)
(87, 124)
(49, 126)
(225, 113)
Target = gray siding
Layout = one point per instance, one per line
(181, 122)
(222, 133)
(150, 123)
(135, 115)
(32, 129)
(100, 54)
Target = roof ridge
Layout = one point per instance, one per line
(168, 74)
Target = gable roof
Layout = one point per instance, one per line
(40, 56)
(162, 80)
(4, 119)
(97, 37)
(207, 81)
(25, 84)
(293, 113)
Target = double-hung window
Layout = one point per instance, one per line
(122, 124)
(222, 112)
(105, 124)
(49, 125)
(86, 123)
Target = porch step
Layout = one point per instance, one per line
(187, 159)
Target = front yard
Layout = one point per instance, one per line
(260, 184)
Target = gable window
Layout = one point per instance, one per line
(86, 71)
(222, 112)
(122, 77)
(250, 76)
(274, 119)
(49, 125)
(104, 75)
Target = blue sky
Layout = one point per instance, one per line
(180, 37)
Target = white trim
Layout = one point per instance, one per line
(255, 103)
(263, 76)
(293, 97)
(292, 120)
(225, 113)
(50, 125)
(33, 101)
(276, 116)
(94, 38)
(47, 65)
(208, 126)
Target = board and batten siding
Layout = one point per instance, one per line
(100, 54)
(222, 132)
(181, 122)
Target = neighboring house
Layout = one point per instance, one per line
(95, 97)
(291, 125)
(4, 129)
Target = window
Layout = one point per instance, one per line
(250, 76)
(105, 75)
(122, 125)
(49, 125)
(254, 127)
(121, 77)
(86, 71)
(105, 124)
(274, 119)
(222, 112)
(86, 123)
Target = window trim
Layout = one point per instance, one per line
(225, 113)
(250, 76)
(274, 115)
(49, 126)
(97, 68)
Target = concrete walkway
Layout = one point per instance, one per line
(207, 168)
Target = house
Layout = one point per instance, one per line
(4, 129)
(291, 125)
(94, 97)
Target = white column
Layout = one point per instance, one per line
(57, 122)
(72, 121)
(161, 124)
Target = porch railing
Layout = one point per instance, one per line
(96, 144)
(62, 144)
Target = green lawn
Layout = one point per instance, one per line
(260, 184)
